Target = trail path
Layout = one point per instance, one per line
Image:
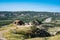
(4, 31)
(1, 35)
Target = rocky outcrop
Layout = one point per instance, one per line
(19, 22)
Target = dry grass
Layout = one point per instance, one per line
(57, 37)
(11, 36)
(38, 38)
(7, 27)
(20, 33)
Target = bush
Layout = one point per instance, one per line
(58, 33)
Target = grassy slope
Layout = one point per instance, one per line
(12, 36)
(7, 27)
(56, 37)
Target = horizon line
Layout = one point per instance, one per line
(27, 11)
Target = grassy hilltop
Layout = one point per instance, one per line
(9, 34)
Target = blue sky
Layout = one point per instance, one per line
(30, 5)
